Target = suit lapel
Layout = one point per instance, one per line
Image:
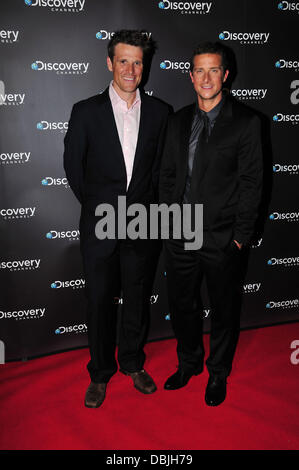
(109, 128)
(144, 129)
(222, 123)
(221, 129)
(185, 131)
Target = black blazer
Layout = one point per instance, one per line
(230, 188)
(94, 162)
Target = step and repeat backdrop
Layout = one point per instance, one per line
(53, 54)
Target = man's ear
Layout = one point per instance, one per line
(191, 76)
(225, 75)
(109, 64)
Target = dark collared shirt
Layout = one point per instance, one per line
(196, 130)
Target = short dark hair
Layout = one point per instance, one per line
(211, 48)
(138, 38)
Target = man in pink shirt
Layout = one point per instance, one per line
(113, 148)
(127, 118)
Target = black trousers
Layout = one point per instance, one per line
(185, 271)
(129, 269)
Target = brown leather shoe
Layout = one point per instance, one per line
(142, 381)
(95, 395)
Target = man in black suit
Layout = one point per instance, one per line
(213, 157)
(113, 148)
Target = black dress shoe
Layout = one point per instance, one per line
(215, 391)
(179, 379)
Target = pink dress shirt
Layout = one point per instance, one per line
(127, 123)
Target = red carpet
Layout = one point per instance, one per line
(42, 402)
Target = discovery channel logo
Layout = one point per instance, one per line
(287, 262)
(63, 235)
(18, 213)
(288, 6)
(103, 34)
(288, 118)
(73, 283)
(283, 64)
(195, 8)
(50, 181)
(25, 314)
(288, 216)
(8, 36)
(182, 66)
(289, 303)
(10, 99)
(52, 126)
(249, 94)
(252, 287)
(20, 265)
(289, 169)
(61, 68)
(7, 158)
(244, 37)
(66, 6)
(76, 329)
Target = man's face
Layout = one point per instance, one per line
(208, 76)
(126, 67)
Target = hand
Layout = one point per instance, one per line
(239, 245)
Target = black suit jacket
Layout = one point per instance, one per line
(230, 188)
(94, 162)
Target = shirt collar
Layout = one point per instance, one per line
(116, 99)
(213, 113)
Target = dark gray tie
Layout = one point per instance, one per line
(199, 158)
(206, 126)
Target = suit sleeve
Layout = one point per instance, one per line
(250, 175)
(75, 147)
(168, 167)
